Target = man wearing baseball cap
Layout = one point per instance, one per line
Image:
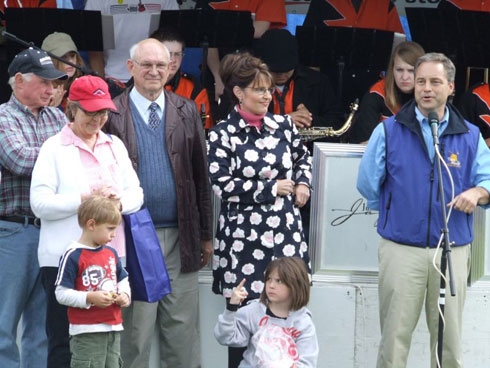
(25, 123)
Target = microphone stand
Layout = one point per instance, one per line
(446, 263)
(12, 37)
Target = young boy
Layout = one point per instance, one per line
(93, 284)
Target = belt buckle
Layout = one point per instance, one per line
(36, 222)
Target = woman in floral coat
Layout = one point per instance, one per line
(262, 172)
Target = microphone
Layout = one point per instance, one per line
(14, 38)
(434, 125)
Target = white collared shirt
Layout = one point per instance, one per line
(143, 104)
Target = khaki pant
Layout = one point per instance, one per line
(97, 350)
(407, 282)
(176, 317)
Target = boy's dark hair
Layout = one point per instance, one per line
(293, 273)
(103, 210)
(169, 34)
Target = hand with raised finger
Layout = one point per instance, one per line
(239, 294)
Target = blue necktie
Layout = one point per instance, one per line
(154, 120)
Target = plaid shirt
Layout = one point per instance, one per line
(21, 137)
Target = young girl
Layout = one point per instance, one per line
(277, 329)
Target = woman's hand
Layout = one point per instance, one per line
(301, 194)
(285, 187)
(104, 191)
(107, 191)
(239, 294)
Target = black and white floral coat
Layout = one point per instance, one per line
(255, 225)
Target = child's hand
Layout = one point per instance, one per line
(58, 93)
(239, 294)
(100, 298)
(122, 300)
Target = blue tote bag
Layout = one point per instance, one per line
(148, 276)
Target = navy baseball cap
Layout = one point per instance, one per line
(35, 61)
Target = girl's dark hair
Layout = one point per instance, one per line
(409, 52)
(293, 273)
(241, 69)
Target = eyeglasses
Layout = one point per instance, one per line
(261, 91)
(161, 67)
(96, 114)
(177, 55)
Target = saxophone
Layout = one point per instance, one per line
(310, 134)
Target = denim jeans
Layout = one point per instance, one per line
(22, 296)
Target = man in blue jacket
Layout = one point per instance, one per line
(398, 176)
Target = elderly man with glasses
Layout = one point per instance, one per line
(165, 140)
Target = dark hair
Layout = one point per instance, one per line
(241, 69)
(409, 52)
(68, 81)
(101, 209)
(293, 273)
(79, 61)
(169, 34)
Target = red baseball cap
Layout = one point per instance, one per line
(92, 93)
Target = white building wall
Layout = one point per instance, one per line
(347, 322)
